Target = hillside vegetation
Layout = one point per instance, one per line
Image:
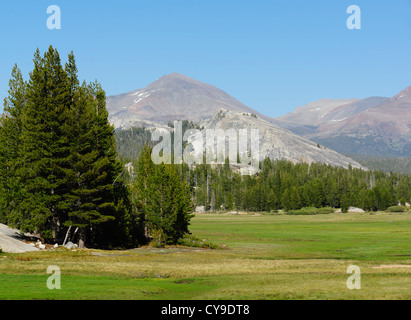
(282, 185)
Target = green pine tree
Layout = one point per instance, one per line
(10, 149)
(163, 199)
(45, 146)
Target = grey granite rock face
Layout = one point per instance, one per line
(278, 143)
(11, 240)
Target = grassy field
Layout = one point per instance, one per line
(264, 257)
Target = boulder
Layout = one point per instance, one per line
(69, 245)
(200, 209)
(351, 210)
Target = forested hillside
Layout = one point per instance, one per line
(385, 164)
(284, 185)
(130, 142)
(287, 186)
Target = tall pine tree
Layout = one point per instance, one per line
(10, 149)
(45, 146)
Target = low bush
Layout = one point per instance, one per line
(190, 240)
(311, 211)
(396, 209)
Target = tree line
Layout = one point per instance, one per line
(283, 185)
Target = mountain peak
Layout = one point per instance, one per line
(175, 75)
(176, 81)
(173, 97)
(404, 95)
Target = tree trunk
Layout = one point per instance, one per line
(82, 238)
(67, 234)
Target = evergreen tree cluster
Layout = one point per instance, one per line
(60, 173)
(163, 198)
(58, 158)
(131, 141)
(284, 185)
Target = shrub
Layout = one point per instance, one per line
(396, 209)
(159, 238)
(190, 240)
(311, 211)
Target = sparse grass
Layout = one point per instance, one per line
(267, 257)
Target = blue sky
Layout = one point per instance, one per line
(270, 55)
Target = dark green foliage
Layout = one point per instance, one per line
(344, 203)
(59, 162)
(164, 200)
(10, 143)
(92, 198)
(45, 147)
(131, 142)
(283, 185)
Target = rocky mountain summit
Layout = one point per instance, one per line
(178, 97)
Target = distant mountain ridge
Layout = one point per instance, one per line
(178, 97)
(376, 126)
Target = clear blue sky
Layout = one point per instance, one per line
(270, 55)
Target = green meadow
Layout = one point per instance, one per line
(260, 257)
